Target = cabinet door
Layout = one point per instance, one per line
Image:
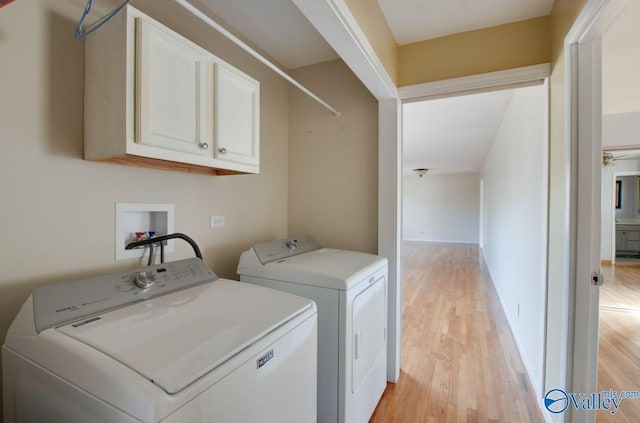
(173, 91)
(237, 117)
(633, 241)
(621, 241)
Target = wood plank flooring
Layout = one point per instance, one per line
(460, 362)
(619, 352)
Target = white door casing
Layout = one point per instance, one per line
(584, 108)
(481, 217)
(585, 187)
(390, 221)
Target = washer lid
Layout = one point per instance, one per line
(326, 267)
(177, 338)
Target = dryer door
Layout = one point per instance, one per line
(369, 330)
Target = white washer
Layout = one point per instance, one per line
(350, 290)
(190, 348)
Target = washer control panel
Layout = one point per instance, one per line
(284, 248)
(145, 279)
(62, 303)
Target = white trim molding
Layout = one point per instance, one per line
(509, 78)
(338, 26)
(439, 241)
(390, 223)
(583, 140)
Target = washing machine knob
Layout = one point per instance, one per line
(144, 280)
(292, 245)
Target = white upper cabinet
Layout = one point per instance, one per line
(156, 99)
(173, 92)
(237, 117)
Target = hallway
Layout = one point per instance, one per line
(460, 362)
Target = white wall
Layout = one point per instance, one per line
(621, 130)
(515, 222)
(441, 208)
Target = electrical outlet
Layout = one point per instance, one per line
(216, 221)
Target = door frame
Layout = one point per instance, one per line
(334, 21)
(583, 62)
(481, 212)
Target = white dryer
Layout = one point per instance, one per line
(187, 347)
(350, 290)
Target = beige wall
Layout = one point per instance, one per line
(374, 25)
(57, 210)
(333, 161)
(492, 49)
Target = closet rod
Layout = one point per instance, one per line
(213, 24)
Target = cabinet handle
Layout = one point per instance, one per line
(203, 146)
(222, 150)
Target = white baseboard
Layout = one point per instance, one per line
(439, 241)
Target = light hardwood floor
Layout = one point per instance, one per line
(619, 354)
(460, 362)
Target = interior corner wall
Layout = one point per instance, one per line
(58, 210)
(333, 161)
(515, 223)
(441, 208)
(373, 23)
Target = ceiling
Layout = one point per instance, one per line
(418, 20)
(452, 135)
(278, 28)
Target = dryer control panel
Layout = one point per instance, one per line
(62, 303)
(284, 248)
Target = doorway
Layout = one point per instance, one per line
(619, 311)
(619, 305)
(497, 199)
(583, 49)
(621, 214)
